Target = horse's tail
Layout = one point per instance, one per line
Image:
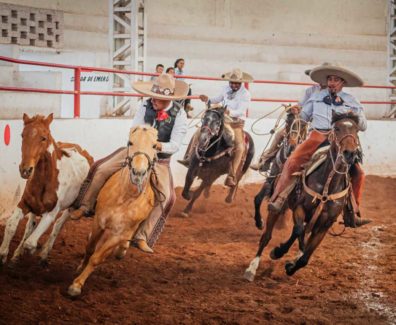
(249, 155)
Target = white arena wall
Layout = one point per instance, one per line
(102, 136)
(273, 40)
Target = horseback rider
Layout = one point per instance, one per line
(236, 98)
(267, 156)
(318, 110)
(163, 113)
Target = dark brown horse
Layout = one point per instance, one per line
(212, 157)
(296, 132)
(318, 200)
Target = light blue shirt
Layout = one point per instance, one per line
(237, 102)
(179, 72)
(320, 114)
(308, 93)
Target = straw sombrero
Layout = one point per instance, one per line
(320, 74)
(163, 87)
(308, 71)
(236, 75)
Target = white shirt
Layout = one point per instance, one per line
(237, 102)
(178, 132)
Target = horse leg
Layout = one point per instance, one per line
(298, 232)
(96, 259)
(195, 196)
(313, 241)
(9, 232)
(231, 193)
(258, 199)
(28, 230)
(51, 239)
(265, 239)
(95, 236)
(207, 191)
(191, 173)
(31, 243)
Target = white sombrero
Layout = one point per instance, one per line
(320, 74)
(236, 75)
(164, 87)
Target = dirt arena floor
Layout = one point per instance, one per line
(195, 275)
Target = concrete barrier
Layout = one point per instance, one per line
(102, 136)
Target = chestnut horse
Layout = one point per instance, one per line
(54, 173)
(318, 200)
(125, 200)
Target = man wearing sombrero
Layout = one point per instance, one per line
(163, 113)
(237, 100)
(318, 110)
(269, 154)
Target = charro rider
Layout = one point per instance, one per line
(266, 157)
(169, 118)
(236, 98)
(318, 110)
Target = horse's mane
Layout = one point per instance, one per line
(349, 115)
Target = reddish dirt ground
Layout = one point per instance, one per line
(195, 275)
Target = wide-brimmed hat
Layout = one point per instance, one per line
(320, 74)
(237, 75)
(308, 71)
(164, 86)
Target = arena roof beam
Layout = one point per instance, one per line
(127, 43)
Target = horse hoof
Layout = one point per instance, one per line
(184, 214)
(30, 247)
(289, 267)
(275, 254)
(120, 255)
(44, 263)
(186, 196)
(259, 224)
(249, 275)
(228, 199)
(74, 291)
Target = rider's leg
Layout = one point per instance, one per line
(358, 177)
(190, 149)
(270, 153)
(239, 146)
(99, 173)
(294, 163)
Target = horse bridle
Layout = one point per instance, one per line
(212, 134)
(129, 159)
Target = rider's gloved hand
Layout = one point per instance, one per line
(204, 98)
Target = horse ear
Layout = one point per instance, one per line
(26, 118)
(49, 119)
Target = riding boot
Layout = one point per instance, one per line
(82, 211)
(277, 205)
(142, 245)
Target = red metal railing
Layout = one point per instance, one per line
(77, 92)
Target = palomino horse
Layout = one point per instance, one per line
(125, 200)
(54, 173)
(212, 157)
(296, 132)
(318, 200)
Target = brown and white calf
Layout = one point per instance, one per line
(54, 173)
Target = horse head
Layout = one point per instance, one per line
(36, 141)
(345, 135)
(212, 125)
(142, 154)
(296, 129)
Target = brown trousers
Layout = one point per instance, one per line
(274, 147)
(302, 155)
(239, 145)
(102, 170)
